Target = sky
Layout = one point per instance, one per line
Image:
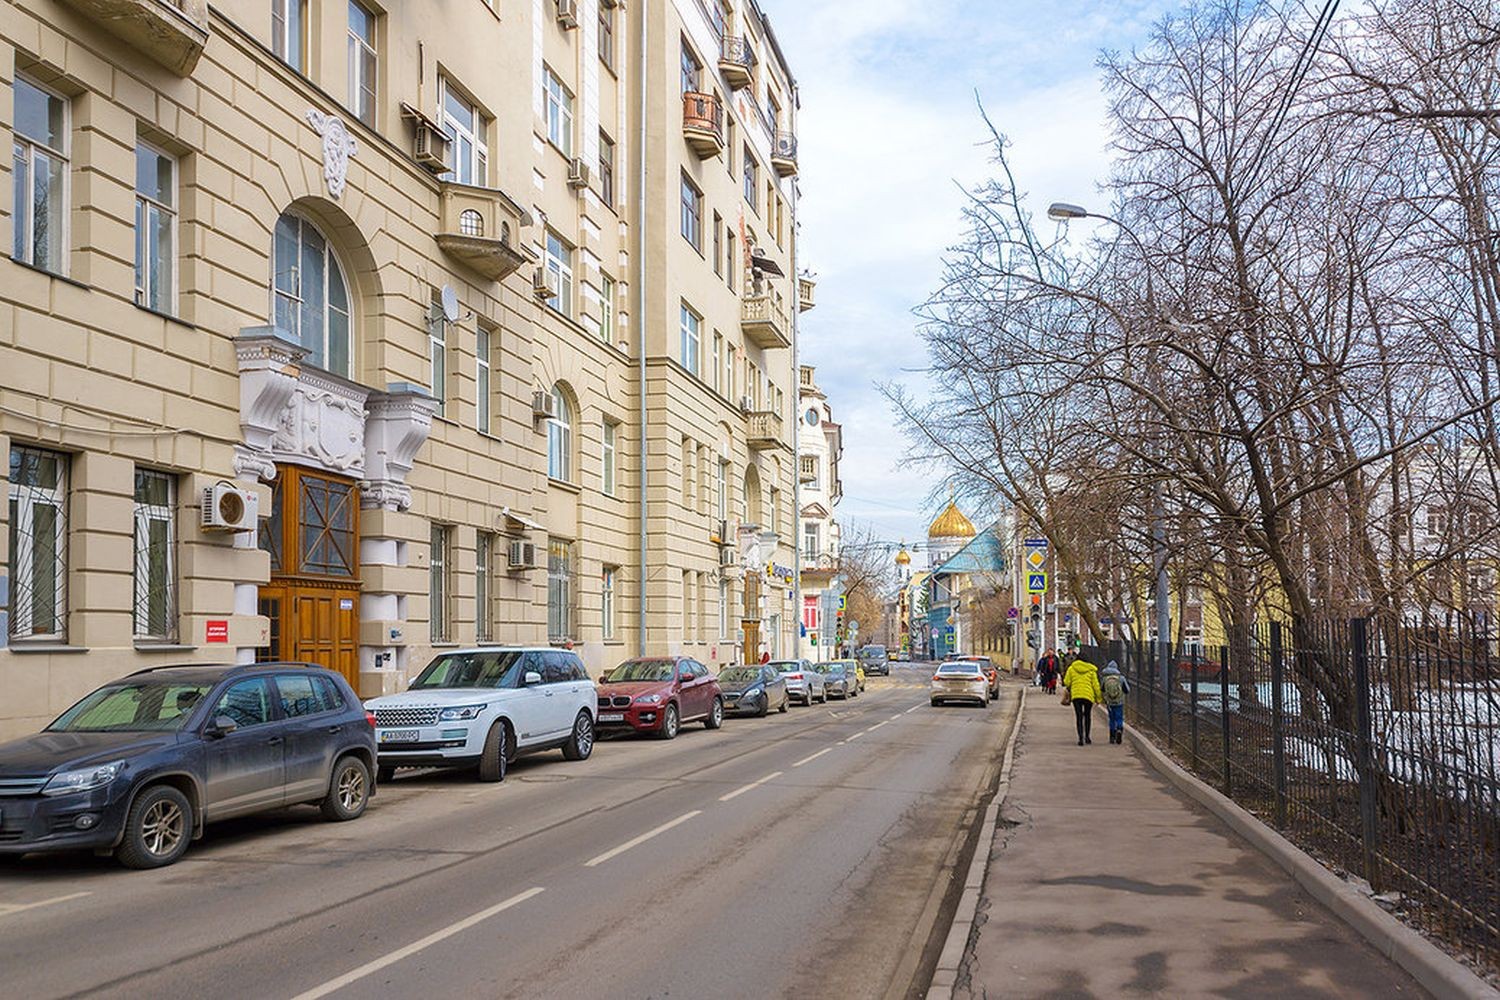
(888, 133)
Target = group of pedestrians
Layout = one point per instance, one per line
(1084, 687)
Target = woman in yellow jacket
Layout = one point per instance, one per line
(1082, 684)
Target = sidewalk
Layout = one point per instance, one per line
(1104, 881)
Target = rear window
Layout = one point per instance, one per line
(959, 668)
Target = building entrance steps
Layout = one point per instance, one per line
(1105, 881)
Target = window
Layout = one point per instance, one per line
(718, 244)
(300, 695)
(611, 429)
(728, 370)
(809, 541)
(692, 71)
(752, 180)
(468, 156)
(607, 602)
(810, 466)
(721, 492)
(560, 438)
(439, 589)
(723, 609)
(718, 360)
(729, 258)
(773, 113)
(776, 520)
(38, 542)
(718, 16)
(155, 531)
(692, 214)
(39, 173)
(325, 526)
(482, 337)
(484, 562)
(691, 337)
(247, 702)
(362, 63)
(559, 590)
(437, 354)
(310, 299)
(606, 308)
(687, 472)
(155, 227)
(560, 264)
(606, 167)
(289, 31)
(687, 606)
(607, 35)
(559, 103)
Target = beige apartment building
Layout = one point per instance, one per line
(344, 333)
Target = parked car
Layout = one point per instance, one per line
(753, 690)
(837, 679)
(658, 694)
(874, 660)
(484, 707)
(960, 680)
(859, 675)
(803, 683)
(141, 765)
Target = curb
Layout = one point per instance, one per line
(1439, 973)
(945, 976)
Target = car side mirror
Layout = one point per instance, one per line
(531, 678)
(221, 727)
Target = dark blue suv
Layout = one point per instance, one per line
(139, 766)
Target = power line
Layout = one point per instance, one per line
(1294, 82)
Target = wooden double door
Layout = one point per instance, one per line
(312, 600)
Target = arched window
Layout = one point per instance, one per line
(560, 437)
(309, 296)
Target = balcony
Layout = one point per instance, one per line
(737, 61)
(819, 563)
(784, 153)
(481, 229)
(703, 124)
(763, 319)
(171, 32)
(807, 469)
(764, 430)
(807, 285)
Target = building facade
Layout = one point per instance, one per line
(344, 333)
(820, 450)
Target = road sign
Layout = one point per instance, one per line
(853, 625)
(1036, 543)
(843, 602)
(1036, 558)
(1036, 583)
(1013, 613)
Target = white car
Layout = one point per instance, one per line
(484, 707)
(960, 680)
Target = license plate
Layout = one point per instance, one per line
(400, 735)
(611, 716)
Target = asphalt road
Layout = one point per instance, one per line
(806, 854)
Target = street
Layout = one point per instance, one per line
(804, 854)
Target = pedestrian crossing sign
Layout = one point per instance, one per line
(1036, 583)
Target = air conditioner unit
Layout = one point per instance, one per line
(226, 507)
(544, 283)
(522, 555)
(747, 405)
(543, 405)
(567, 13)
(578, 173)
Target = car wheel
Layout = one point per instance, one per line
(158, 828)
(715, 715)
(765, 708)
(581, 744)
(669, 723)
(349, 792)
(385, 774)
(492, 757)
(785, 703)
(936, 703)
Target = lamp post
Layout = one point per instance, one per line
(1063, 212)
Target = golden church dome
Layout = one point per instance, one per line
(951, 523)
(903, 558)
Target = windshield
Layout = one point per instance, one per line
(785, 666)
(872, 652)
(833, 669)
(739, 675)
(642, 670)
(145, 706)
(498, 668)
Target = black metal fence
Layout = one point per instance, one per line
(1375, 748)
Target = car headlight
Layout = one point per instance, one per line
(460, 713)
(649, 699)
(751, 692)
(83, 780)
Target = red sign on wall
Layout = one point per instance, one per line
(216, 630)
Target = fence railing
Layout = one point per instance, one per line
(1374, 747)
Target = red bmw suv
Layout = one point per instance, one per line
(658, 694)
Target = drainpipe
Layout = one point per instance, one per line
(640, 325)
(796, 418)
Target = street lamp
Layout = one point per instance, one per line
(1063, 212)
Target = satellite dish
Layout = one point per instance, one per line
(450, 304)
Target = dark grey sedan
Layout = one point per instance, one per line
(839, 680)
(753, 690)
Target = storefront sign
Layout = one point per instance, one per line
(216, 630)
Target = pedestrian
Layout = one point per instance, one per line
(1081, 690)
(1114, 687)
(1049, 668)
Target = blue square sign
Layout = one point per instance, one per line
(1036, 583)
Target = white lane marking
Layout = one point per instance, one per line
(813, 757)
(745, 788)
(637, 841)
(877, 725)
(427, 942)
(854, 736)
(6, 909)
(911, 710)
(896, 716)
